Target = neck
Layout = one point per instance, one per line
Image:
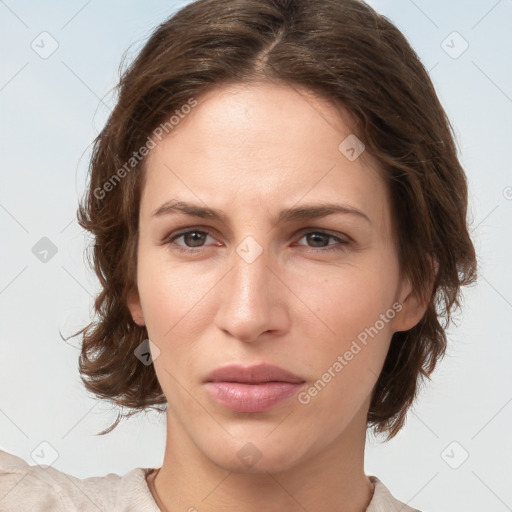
(331, 479)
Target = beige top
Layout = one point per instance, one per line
(45, 489)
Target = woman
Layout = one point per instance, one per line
(280, 234)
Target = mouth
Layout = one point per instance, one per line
(252, 389)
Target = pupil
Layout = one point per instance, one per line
(198, 237)
(318, 237)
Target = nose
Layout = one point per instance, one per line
(252, 299)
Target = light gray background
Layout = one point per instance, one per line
(51, 109)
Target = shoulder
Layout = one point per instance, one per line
(23, 486)
(383, 501)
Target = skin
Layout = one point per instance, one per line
(250, 151)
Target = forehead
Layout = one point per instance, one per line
(262, 145)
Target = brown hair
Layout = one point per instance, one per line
(348, 54)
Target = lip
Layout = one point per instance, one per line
(255, 388)
(255, 374)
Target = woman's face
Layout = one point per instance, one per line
(319, 296)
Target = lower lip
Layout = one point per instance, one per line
(243, 397)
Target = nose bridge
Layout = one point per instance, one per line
(249, 302)
(250, 275)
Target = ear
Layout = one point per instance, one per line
(134, 305)
(413, 307)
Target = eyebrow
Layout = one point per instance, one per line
(289, 214)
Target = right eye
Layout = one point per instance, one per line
(194, 237)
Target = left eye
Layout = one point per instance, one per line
(321, 236)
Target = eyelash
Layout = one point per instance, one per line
(334, 247)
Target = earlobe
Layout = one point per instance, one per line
(135, 307)
(412, 311)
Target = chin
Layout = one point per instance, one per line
(255, 455)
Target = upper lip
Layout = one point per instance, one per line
(252, 374)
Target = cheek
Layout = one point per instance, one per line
(351, 341)
(350, 299)
(170, 294)
(345, 366)
(178, 311)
